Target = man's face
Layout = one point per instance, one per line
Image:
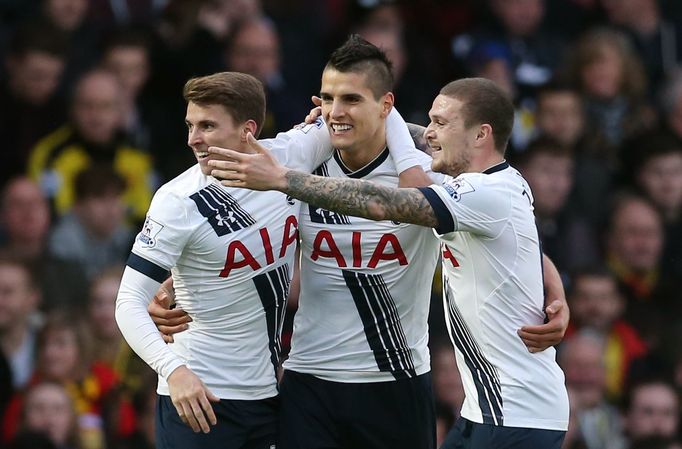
(451, 143)
(560, 116)
(102, 307)
(131, 66)
(551, 179)
(210, 125)
(637, 236)
(354, 117)
(102, 215)
(17, 297)
(654, 411)
(520, 17)
(97, 110)
(255, 51)
(25, 212)
(595, 302)
(661, 178)
(35, 76)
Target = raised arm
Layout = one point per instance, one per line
(261, 171)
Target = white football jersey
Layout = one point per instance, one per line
(492, 277)
(231, 253)
(365, 289)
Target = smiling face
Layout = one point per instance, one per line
(450, 141)
(355, 118)
(212, 125)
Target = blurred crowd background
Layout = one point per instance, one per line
(92, 123)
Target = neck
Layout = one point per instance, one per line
(12, 339)
(363, 152)
(27, 249)
(485, 161)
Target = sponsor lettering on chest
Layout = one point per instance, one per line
(386, 249)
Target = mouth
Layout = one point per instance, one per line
(201, 154)
(340, 128)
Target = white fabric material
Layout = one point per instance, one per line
(231, 252)
(492, 272)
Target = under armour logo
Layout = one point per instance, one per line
(225, 220)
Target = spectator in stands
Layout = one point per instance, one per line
(652, 409)
(634, 244)
(94, 233)
(567, 238)
(534, 52)
(657, 166)
(25, 221)
(19, 298)
(447, 383)
(29, 106)
(606, 70)
(126, 55)
(597, 422)
(597, 305)
(110, 348)
(560, 115)
(48, 408)
(64, 357)
(93, 136)
(253, 48)
(658, 39)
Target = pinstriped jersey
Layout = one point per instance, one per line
(231, 254)
(365, 289)
(492, 280)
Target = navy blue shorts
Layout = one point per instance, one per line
(469, 435)
(319, 414)
(241, 425)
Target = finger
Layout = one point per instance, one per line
(190, 418)
(232, 183)
(255, 145)
(167, 338)
(223, 165)
(207, 408)
(176, 320)
(554, 307)
(317, 101)
(542, 329)
(225, 152)
(198, 412)
(227, 175)
(170, 330)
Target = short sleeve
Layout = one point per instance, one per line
(303, 148)
(163, 236)
(469, 203)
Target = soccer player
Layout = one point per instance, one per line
(492, 261)
(231, 253)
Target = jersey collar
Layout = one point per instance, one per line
(364, 171)
(495, 168)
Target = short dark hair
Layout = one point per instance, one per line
(359, 56)
(98, 181)
(483, 101)
(39, 37)
(542, 145)
(242, 95)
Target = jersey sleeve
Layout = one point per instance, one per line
(164, 234)
(303, 148)
(467, 203)
(157, 248)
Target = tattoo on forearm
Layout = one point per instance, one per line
(362, 198)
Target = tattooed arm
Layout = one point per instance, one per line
(261, 171)
(361, 198)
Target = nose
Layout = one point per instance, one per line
(429, 133)
(193, 136)
(336, 110)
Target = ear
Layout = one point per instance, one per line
(386, 104)
(484, 135)
(249, 126)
